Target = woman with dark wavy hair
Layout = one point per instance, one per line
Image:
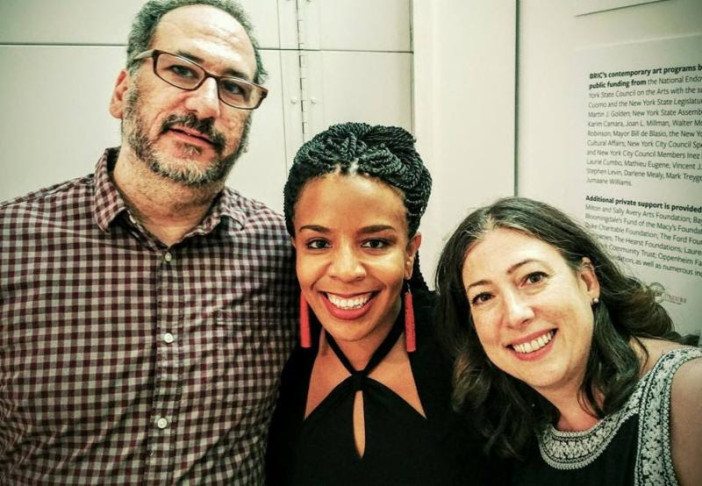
(562, 361)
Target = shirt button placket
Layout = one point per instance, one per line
(168, 368)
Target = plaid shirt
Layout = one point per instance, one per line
(123, 361)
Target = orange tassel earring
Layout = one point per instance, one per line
(305, 332)
(410, 337)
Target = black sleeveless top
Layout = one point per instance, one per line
(401, 446)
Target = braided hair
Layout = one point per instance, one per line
(384, 153)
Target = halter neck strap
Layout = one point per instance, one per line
(378, 355)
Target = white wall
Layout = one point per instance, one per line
(464, 75)
(471, 55)
(59, 61)
(550, 36)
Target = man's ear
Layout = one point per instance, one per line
(118, 100)
(589, 278)
(412, 247)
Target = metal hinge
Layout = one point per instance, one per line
(303, 58)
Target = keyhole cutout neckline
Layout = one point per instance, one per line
(360, 380)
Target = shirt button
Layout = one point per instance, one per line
(168, 257)
(162, 423)
(168, 338)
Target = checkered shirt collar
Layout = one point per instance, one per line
(108, 203)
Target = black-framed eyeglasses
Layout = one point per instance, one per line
(183, 73)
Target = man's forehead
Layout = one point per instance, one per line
(204, 30)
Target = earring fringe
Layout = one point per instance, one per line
(305, 332)
(410, 336)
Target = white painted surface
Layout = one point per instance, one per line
(364, 25)
(292, 105)
(371, 87)
(464, 86)
(551, 37)
(261, 171)
(102, 21)
(355, 25)
(66, 21)
(54, 122)
(584, 7)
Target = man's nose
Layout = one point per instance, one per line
(204, 101)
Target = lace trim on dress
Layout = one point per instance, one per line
(575, 450)
(651, 400)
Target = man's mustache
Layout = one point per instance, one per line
(206, 127)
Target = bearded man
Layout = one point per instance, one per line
(146, 310)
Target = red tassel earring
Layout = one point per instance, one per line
(305, 332)
(410, 337)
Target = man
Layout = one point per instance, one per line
(146, 310)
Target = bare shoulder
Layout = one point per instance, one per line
(655, 348)
(686, 422)
(688, 381)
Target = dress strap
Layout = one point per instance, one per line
(380, 353)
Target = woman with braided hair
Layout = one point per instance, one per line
(365, 398)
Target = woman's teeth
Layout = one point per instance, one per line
(352, 303)
(535, 344)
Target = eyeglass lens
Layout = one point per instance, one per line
(186, 75)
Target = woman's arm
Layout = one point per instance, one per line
(686, 423)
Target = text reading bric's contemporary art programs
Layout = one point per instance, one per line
(645, 125)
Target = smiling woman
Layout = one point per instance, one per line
(510, 277)
(556, 347)
(351, 269)
(359, 404)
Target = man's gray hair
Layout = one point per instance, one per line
(150, 15)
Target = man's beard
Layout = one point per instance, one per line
(187, 174)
